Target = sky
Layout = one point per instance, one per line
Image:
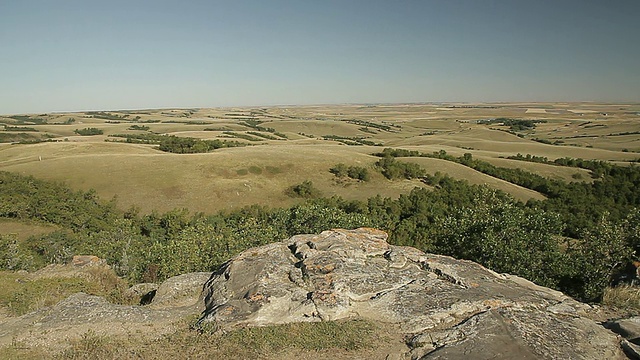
(75, 55)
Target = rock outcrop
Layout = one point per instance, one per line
(443, 308)
(175, 299)
(447, 308)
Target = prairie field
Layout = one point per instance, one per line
(23, 230)
(288, 145)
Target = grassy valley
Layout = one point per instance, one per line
(310, 141)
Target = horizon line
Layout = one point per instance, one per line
(330, 104)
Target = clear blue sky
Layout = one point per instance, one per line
(88, 55)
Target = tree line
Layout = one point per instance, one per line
(614, 191)
(178, 145)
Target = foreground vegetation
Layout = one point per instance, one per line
(579, 240)
(22, 292)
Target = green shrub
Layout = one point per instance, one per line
(316, 217)
(138, 127)
(393, 169)
(353, 172)
(505, 236)
(304, 190)
(88, 131)
(339, 170)
(181, 145)
(358, 173)
(57, 247)
(12, 255)
(597, 257)
(19, 128)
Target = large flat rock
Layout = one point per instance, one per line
(447, 308)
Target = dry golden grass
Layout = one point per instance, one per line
(625, 297)
(350, 339)
(23, 230)
(230, 178)
(224, 179)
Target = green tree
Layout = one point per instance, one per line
(393, 169)
(88, 131)
(506, 237)
(304, 190)
(358, 173)
(339, 170)
(120, 245)
(314, 218)
(596, 258)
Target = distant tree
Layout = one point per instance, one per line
(339, 170)
(353, 172)
(88, 131)
(185, 145)
(138, 127)
(393, 169)
(304, 190)
(358, 173)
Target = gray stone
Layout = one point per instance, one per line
(444, 308)
(447, 308)
(181, 290)
(140, 290)
(628, 328)
(179, 298)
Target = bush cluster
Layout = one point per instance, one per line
(354, 172)
(393, 169)
(88, 131)
(616, 190)
(138, 127)
(182, 145)
(304, 190)
(514, 124)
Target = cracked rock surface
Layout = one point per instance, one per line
(447, 308)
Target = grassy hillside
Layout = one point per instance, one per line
(459, 171)
(549, 171)
(24, 230)
(225, 179)
(311, 140)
